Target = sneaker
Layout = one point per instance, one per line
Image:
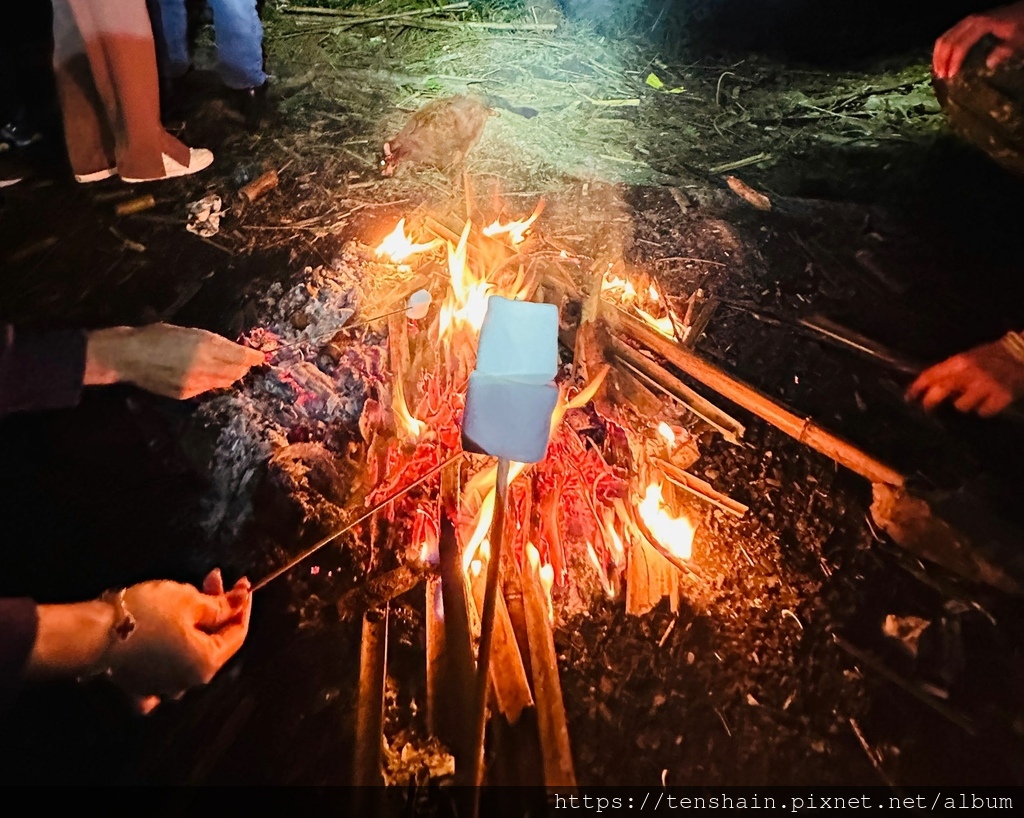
(98, 176)
(199, 159)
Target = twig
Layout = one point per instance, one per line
(865, 658)
(741, 163)
(718, 88)
(318, 11)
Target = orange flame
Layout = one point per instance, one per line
(515, 230)
(407, 426)
(466, 304)
(398, 246)
(614, 282)
(662, 325)
(674, 533)
(666, 432)
(546, 573)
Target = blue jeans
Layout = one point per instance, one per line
(238, 33)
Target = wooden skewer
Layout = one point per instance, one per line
(487, 625)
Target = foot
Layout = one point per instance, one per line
(199, 159)
(253, 104)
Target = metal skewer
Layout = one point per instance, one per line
(365, 516)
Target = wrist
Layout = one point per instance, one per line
(105, 355)
(1013, 343)
(71, 640)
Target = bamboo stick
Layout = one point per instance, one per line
(802, 429)
(370, 707)
(459, 653)
(547, 688)
(437, 678)
(508, 675)
(730, 428)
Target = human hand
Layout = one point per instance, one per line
(985, 379)
(182, 636)
(177, 362)
(1005, 23)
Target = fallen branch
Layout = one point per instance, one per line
(317, 11)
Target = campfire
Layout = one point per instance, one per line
(610, 510)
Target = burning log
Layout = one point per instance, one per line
(380, 590)
(437, 682)
(547, 688)
(508, 674)
(650, 576)
(458, 652)
(802, 429)
(370, 708)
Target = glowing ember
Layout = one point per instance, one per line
(516, 230)
(397, 246)
(652, 292)
(666, 432)
(674, 533)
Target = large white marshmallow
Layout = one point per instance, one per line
(519, 340)
(508, 419)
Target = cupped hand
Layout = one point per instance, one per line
(1005, 23)
(985, 380)
(182, 636)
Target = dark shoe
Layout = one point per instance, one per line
(254, 105)
(18, 133)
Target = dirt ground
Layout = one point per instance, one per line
(880, 219)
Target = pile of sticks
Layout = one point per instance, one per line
(527, 736)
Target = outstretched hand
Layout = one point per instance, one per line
(182, 636)
(176, 362)
(985, 380)
(1005, 24)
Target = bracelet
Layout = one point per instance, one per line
(121, 628)
(124, 623)
(1013, 342)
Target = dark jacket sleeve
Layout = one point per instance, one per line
(18, 623)
(40, 370)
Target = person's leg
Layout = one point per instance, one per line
(119, 42)
(90, 141)
(239, 35)
(170, 32)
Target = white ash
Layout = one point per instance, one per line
(307, 393)
(246, 441)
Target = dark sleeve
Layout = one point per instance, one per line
(18, 624)
(40, 370)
